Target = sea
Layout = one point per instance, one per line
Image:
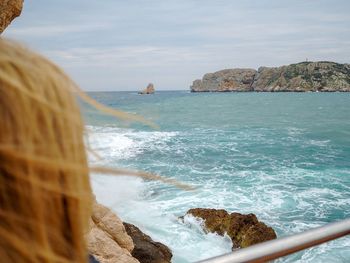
(283, 156)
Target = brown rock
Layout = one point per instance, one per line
(111, 241)
(149, 90)
(110, 223)
(244, 230)
(105, 249)
(146, 250)
(9, 10)
(107, 240)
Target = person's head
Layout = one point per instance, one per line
(45, 194)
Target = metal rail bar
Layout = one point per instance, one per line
(274, 249)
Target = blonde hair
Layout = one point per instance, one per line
(45, 193)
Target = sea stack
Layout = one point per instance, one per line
(149, 90)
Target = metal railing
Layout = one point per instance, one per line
(277, 248)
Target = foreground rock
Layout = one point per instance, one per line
(111, 241)
(107, 240)
(9, 10)
(149, 90)
(300, 77)
(146, 250)
(244, 230)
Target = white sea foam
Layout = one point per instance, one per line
(114, 143)
(187, 240)
(126, 196)
(321, 143)
(117, 191)
(288, 198)
(293, 131)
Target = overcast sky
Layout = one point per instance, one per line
(125, 44)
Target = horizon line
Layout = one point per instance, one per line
(133, 90)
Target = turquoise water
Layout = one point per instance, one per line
(282, 156)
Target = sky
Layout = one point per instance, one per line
(112, 45)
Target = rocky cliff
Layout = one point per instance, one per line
(9, 10)
(300, 77)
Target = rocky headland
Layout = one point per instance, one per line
(301, 77)
(244, 230)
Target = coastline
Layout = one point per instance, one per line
(321, 76)
(272, 91)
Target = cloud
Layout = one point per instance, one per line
(40, 31)
(123, 44)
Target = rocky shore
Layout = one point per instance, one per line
(110, 240)
(145, 249)
(322, 76)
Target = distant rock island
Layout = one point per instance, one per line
(301, 77)
(149, 90)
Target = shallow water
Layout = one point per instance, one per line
(282, 156)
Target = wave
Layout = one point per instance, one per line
(115, 143)
(249, 171)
